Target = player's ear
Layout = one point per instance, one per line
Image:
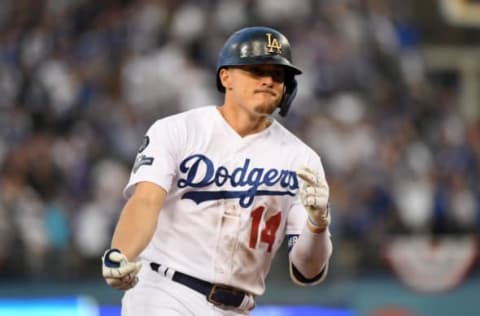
(225, 78)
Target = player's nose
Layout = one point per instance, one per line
(268, 79)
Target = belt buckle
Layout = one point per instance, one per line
(214, 289)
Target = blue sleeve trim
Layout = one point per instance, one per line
(292, 239)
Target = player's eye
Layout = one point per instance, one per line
(277, 74)
(256, 71)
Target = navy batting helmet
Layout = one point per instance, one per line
(260, 45)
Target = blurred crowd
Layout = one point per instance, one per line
(81, 81)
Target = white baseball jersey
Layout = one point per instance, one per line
(231, 200)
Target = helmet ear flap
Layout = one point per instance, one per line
(289, 94)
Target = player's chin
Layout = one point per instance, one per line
(266, 108)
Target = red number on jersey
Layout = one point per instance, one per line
(256, 217)
(268, 233)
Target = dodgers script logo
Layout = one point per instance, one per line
(199, 172)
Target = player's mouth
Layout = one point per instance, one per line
(271, 92)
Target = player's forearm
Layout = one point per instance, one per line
(135, 227)
(311, 252)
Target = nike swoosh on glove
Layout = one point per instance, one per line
(117, 271)
(314, 194)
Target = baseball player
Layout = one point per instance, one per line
(214, 191)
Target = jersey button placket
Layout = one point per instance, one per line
(230, 219)
(226, 240)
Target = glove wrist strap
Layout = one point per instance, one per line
(314, 228)
(106, 257)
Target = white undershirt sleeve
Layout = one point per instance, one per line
(309, 257)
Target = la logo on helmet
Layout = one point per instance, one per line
(272, 43)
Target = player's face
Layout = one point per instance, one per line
(258, 88)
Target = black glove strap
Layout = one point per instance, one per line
(106, 258)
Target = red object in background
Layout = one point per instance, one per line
(393, 311)
(431, 265)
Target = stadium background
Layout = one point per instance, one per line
(389, 98)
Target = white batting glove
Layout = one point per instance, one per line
(314, 194)
(118, 272)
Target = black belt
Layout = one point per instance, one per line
(215, 293)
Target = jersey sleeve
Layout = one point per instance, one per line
(155, 160)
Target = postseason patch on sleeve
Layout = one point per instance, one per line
(145, 143)
(142, 160)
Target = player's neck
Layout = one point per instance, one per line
(244, 123)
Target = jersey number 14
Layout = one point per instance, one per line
(267, 235)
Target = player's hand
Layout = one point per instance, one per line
(118, 272)
(314, 194)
